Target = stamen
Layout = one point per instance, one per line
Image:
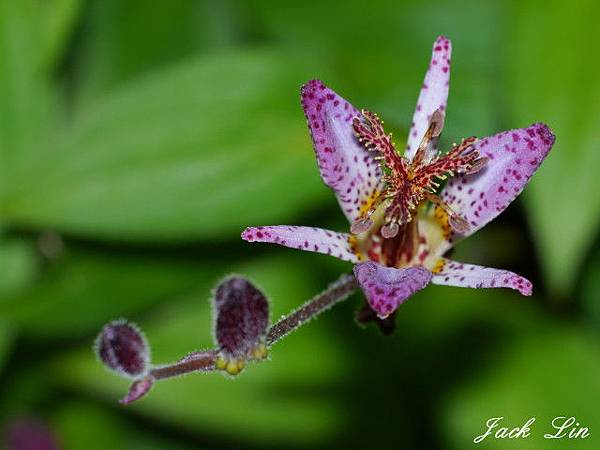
(436, 125)
(390, 230)
(371, 134)
(477, 165)
(361, 225)
(457, 222)
(409, 183)
(460, 159)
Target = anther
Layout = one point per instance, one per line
(361, 225)
(458, 223)
(390, 230)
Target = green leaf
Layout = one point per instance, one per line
(82, 290)
(283, 400)
(58, 19)
(117, 45)
(384, 69)
(6, 339)
(19, 264)
(197, 151)
(590, 291)
(86, 425)
(542, 375)
(553, 64)
(27, 103)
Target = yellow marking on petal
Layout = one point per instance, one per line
(432, 235)
(439, 266)
(443, 220)
(367, 203)
(355, 247)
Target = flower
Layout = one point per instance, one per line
(401, 226)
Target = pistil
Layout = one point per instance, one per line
(408, 184)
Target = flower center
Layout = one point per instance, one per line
(407, 184)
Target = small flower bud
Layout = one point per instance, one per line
(122, 348)
(241, 319)
(137, 390)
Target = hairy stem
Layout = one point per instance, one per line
(200, 361)
(335, 293)
(204, 361)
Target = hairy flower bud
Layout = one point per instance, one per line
(137, 390)
(241, 319)
(122, 348)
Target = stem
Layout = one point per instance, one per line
(199, 361)
(204, 361)
(335, 293)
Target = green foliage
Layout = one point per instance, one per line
(191, 152)
(6, 339)
(82, 290)
(543, 375)
(19, 264)
(554, 79)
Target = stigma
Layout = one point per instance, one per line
(408, 184)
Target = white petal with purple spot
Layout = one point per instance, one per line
(469, 275)
(345, 165)
(433, 96)
(514, 156)
(309, 239)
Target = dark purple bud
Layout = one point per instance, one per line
(241, 319)
(137, 390)
(29, 434)
(122, 348)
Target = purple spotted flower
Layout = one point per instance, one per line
(401, 223)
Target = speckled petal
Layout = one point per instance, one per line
(386, 288)
(452, 273)
(345, 165)
(514, 156)
(434, 94)
(305, 238)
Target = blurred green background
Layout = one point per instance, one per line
(138, 138)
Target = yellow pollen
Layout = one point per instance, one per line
(260, 351)
(220, 363)
(235, 366)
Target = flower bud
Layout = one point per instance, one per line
(241, 319)
(137, 390)
(122, 348)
